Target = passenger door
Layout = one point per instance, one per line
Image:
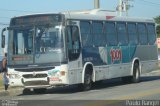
(74, 54)
(73, 43)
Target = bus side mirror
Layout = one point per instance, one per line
(3, 38)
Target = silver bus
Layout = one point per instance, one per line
(79, 47)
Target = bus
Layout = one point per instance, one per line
(78, 47)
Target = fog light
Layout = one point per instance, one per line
(62, 73)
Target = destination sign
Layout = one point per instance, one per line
(37, 19)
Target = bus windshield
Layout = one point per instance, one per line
(36, 44)
(48, 40)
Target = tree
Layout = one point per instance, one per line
(158, 30)
(157, 20)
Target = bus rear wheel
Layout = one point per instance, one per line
(135, 78)
(136, 73)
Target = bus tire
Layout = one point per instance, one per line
(136, 73)
(26, 91)
(87, 83)
(135, 78)
(39, 90)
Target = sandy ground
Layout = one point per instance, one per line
(1, 85)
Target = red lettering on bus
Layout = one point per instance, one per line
(116, 54)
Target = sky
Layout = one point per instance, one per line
(12, 8)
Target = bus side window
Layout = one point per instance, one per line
(151, 34)
(87, 39)
(122, 33)
(110, 32)
(132, 34)
(98, 36)
(142, 32)
(73, 42)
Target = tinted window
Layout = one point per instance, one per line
(99, 38)
(23, 41)
(73, 42)
(142, 34)
(132, 34)
(110, 32)
(86, 33)
(122, 33)
(151, 33)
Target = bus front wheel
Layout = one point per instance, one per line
(39, 90)
(87, 82)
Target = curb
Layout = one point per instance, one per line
(153, 73)
(4, 93)
(11, 91)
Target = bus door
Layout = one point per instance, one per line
(74, 55)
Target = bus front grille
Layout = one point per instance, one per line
(33, 83)
(35, 76)
(34, 69)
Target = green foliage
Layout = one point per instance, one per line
(1, 82)
(157, 20)
(158, 31)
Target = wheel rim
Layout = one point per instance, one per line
(137, 74)
(87, 82)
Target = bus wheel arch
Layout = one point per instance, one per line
(88, 76)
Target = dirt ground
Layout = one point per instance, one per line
(1, 82)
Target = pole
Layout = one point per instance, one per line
(96, 4)
(120, 7)
(127, 7)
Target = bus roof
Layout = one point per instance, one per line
(107, 15)
(95, 14)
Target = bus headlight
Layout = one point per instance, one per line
(14, 76)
